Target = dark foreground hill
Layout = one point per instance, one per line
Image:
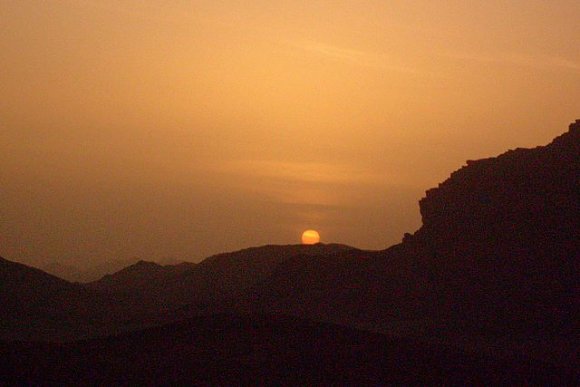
(258, 350)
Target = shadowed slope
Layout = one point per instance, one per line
(229, 349)
(206, 284)
(34, 303)
(140, 277)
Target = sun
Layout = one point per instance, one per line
(310, 237)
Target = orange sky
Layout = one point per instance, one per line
(178, 129)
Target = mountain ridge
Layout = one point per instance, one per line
(495, 257)
(495, 261)
(35, 304)
(214, 279)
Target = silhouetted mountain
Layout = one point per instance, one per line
(258, 350)
(36, 304)
(359, 288)
(501, 237)
(497, 256)
(206, 284)
(493, 269)
(140, 277)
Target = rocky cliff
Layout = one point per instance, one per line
(538, 186)
(501, 234)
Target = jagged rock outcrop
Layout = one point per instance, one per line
(540, 185)
(501, 234)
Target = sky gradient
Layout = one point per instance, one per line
(173, 130)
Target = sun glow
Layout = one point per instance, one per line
(310, 237)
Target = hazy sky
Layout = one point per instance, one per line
(178, 129)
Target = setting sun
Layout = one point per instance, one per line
(310, 237)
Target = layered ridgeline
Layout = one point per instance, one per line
(37, 305)
(497, 255)
(493, 270)
(140, 281)
(206, 285)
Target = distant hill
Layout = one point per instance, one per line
(35, 304)
(137, 279)
(215, 279)
(359, 288)
(262, 350)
